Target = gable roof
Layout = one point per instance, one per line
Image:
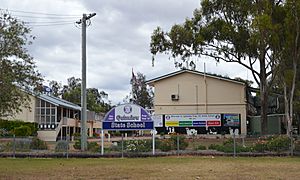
(151, 81)
(58, 101)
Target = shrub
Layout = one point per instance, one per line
(165, 145)
(4, 132)
(9, 126)
(93, 147)
(183, 144)
(77, 144)
(260, 145)
(138, 145)
(200, 147)
(22, 131)
(278, 143)
(61, 146)
(20, 145)
(38, 144)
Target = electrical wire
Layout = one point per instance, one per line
(39, 19)
(57, 24)
(39, 13)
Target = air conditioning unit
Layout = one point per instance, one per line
(175, 97)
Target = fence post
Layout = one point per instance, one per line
(67, 146)
(153, 141)
(102, 141)
(234, 145)
(177, 145)
(292, 144)
(122, 146)
(14, 146)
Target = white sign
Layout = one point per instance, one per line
(158, 120)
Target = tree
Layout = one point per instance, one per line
(55, 87)
(17, 68)
(289, 54)
(237, 31)
(95, 99)
(141, 93)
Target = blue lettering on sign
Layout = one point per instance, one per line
(199, 123)
(128, 125)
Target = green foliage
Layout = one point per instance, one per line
(9, 126)
(183, 143)
(22, 131)
(38, 144)
(138, 145)
(200, 147)
(20, 145)
(61, 146)
(91, 146)
(278, 143)
(171, 144)
(77, 144)
(17, 68)
(95, 98)
(165, 145)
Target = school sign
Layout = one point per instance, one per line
(127, 117)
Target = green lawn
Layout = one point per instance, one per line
(152, 168)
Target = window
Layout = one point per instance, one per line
(45, 113)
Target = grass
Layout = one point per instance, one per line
(152, 168)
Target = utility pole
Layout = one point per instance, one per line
(83, 83)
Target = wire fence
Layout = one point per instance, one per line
(117, 146)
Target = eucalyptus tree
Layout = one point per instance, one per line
(17, 68)
(235, 31)
(289, 55)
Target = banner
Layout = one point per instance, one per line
(193, 120)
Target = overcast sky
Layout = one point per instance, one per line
(118, 40)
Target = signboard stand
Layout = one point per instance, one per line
(127, 117)
(102, 141)
(153, 142)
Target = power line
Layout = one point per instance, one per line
(54, 24)
(45, 17)
(39, 13)
(45, 22)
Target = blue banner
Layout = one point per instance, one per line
(199, 123)
(129, 125)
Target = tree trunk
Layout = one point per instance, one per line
(264, 107)
(263, 96)
(286, 108)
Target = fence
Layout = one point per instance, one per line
(142, 146)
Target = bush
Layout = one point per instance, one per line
(165, 145)
(61, 146)
(183, 144)
(20, 145)
(38, 144)
(138, 145)
(9, 126)
(77, 144)
(200, 147)
(278, 143)
(4, 132)
(93, 147)
(22, 131)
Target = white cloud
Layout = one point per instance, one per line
(117, 40)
